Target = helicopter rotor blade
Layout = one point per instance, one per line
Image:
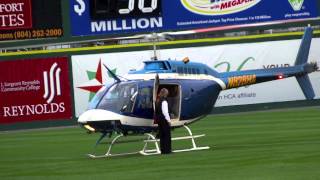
(169, 34)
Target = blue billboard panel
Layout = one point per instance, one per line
(114, 17)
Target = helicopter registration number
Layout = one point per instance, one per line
(239, 81)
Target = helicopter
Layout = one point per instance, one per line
(126, 107)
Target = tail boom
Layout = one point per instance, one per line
(300, 70)
(249, 77)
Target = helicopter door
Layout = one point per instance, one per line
(174, 100)
(155, 90)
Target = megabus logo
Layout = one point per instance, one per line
(52, 86)
(218, 7)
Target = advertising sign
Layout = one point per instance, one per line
(89, 74)
(37, 89)
(30, 19)
(94, 17)
(15, 15)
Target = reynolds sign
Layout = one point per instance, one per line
(37, 89)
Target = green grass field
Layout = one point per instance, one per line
(282, 144)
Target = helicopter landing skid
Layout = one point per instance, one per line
(151, 139)
(108, 154)
(156, 150)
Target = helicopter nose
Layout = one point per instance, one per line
(96, 115)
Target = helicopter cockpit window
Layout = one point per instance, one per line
(144, 102)
(145, 99)
(120, 97)
(155, 66)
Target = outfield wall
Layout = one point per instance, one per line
(223, 58)
(79, 78)
(35, 89)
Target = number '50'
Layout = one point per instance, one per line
(154, 4)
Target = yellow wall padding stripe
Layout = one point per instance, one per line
(193, 41)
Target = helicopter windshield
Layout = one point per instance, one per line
(120, 97)
(96, 99)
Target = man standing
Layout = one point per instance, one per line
(163, 120)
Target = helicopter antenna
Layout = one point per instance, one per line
(112, 74)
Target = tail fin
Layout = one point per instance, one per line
(303, 53)
(302, 59)
(306, 86)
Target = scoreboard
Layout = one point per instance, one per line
(74, 19)
(115, 17)
(104, 9)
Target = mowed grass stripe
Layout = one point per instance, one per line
(258, 145)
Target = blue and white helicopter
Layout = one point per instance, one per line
(127, 106)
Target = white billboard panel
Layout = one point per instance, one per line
(88, 78)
